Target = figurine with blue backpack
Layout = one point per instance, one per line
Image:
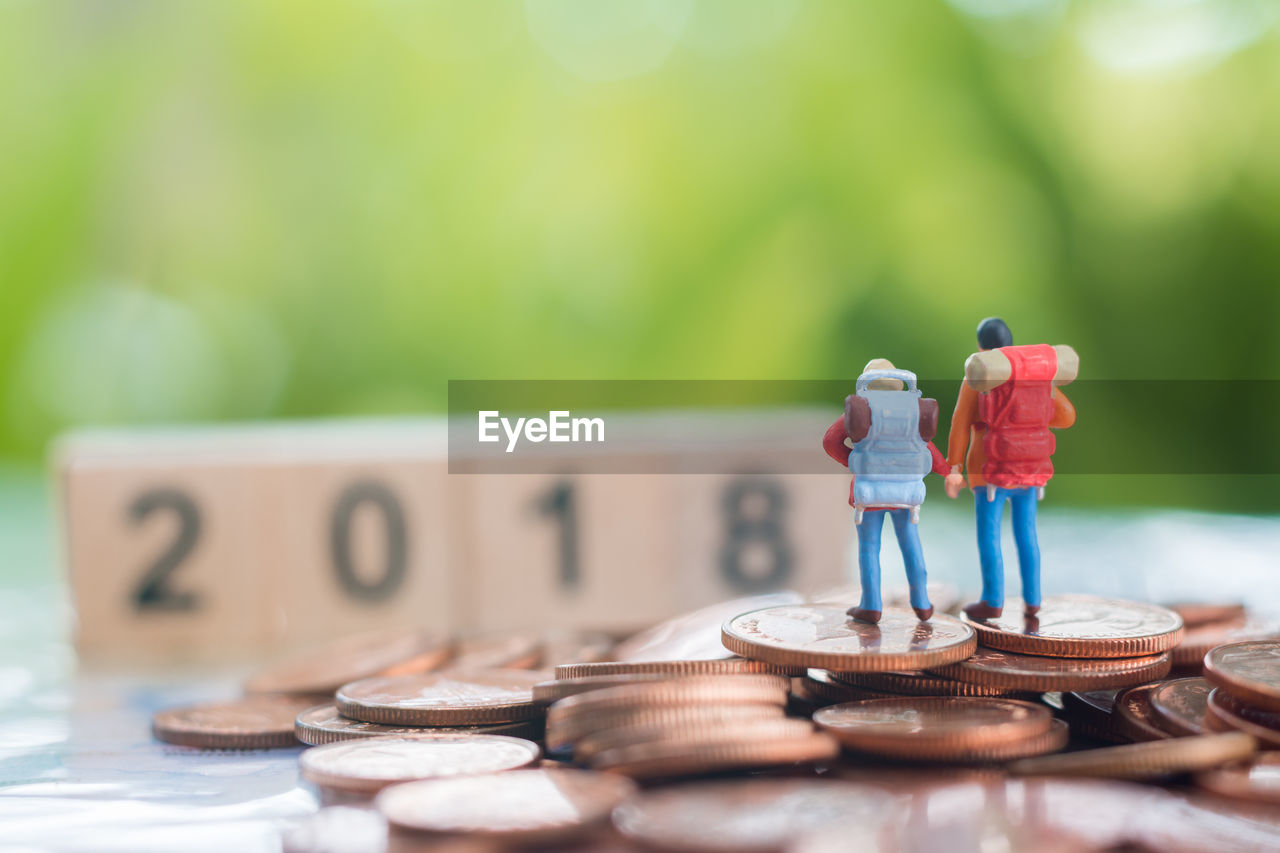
(885, 439)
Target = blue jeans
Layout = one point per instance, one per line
(869, 556)
(990, 513)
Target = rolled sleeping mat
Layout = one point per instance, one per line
(991, 368)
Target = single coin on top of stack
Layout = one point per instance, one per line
(944, 729)
(448, 698)
(256, 722)
(824, 637)
(323, 724)
(685, 726)
(1081, 626)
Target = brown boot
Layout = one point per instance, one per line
(923, 613)
(982, 611)
(871, 617)
(1032, 609)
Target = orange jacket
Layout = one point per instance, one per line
(965, 436)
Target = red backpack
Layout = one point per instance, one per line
(1016, 416)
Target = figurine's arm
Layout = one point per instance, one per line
(833, 443)
(940, 465)
(958, 439)
(1064, 414)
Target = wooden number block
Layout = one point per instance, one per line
(367, 543)
(761, 530)
(163, 557)
(592, 550)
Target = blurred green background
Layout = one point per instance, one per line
(245, 210)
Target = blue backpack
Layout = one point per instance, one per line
(889, 464)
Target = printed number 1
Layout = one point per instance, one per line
(560, 505)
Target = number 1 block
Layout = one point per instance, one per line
(589, 551)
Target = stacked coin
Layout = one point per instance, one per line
(1246, 690)
(404, 665)
(1212, 625)
(950, 729)
(675, 725)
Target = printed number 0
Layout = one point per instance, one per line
(761, 530)
(153, 591)
(397, 541)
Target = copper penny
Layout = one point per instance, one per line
(1134, 718)
(253, 723)
(547, 692)
(920, 727)
(694, 636)
(1258, 781)
(1198, 642)
(922, 684)
(371, 764)
(1082, 626)
(1181, 705)
(498, 651)
(1225, 713)
(323, 724)
(453, 697)
(1038, 674)
(1248, 671)
(565, 732)
(529, 806)
(668, 759)
(1196, 614)
(328, 667)
(825, 638)
(747, 730)
(716, 689)
(720, 666)
(1143, 760)
(748, 815)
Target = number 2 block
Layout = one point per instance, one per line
(163, 557)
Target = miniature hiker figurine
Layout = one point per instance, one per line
(891, 431)
(1000, 433)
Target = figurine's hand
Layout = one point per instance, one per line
(955, 484)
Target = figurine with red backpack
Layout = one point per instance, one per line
(1001, 441)
(889, 428)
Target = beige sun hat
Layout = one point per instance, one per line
(882, 384)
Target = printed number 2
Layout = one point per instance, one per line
(753, 509)
(153, 592)
(559, 504)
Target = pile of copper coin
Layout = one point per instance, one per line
(776, 723)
